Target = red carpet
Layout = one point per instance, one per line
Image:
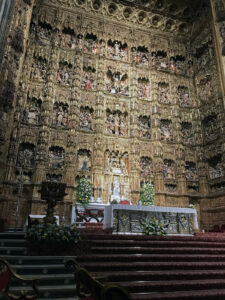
(160, 267)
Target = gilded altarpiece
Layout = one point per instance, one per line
(120, 96)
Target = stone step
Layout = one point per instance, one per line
(35, 260)
(12, 242)
(49, 279)
(148, 250)
(35, 270)
(12, 235)
(50, 291)
(13, 250)
(151, 257)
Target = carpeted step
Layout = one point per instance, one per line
(148, 250)
(172, 285)
(138, 237)
(140, 266)
(156, 243)
(151, 257)
(182, 295)
(121, 276)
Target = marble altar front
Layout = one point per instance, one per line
(128, 219)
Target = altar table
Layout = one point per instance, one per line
(128, 219)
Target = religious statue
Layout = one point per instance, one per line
(116, 190)
(56, 157)
(164, 93)
(84, 162)
(183, 96)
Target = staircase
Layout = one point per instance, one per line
(159, 267)
(56, 282)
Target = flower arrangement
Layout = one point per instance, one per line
(52, 233)
(154, 227)
(147, 194)
(191, 206)
(84, 191)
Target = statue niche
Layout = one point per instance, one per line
(24, 177)
(166, 130)
(146, 166)
(183, 96)
(65, 73)
(66, 39)
(159, 60)
(116, 162)
(117, 83)
(180, 66)
(88, 78)
(84, 160)
(39, 68)
(143, 88)
(102, 44)
(60, 114)
(169, 169)
(26, 154)
(171, 188)
(216, 167)
(90, 44)
(187, 133)
(79, 42)
(43, 31)
(140, 56)
(117, 50)
(217, 187)
(56, 157)
(210, 128)
(54, 177)
(32, 112)
(116, 122)
(164, 93)
(203, 54)
(191, 171)
(86, 118)
(144, 123)
(205, 88)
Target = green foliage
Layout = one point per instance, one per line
(154, 227)
(84, 191)
(148, 194)
(52, 233)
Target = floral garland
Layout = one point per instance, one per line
(154, 227)
(84, 191)
(148, 194)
